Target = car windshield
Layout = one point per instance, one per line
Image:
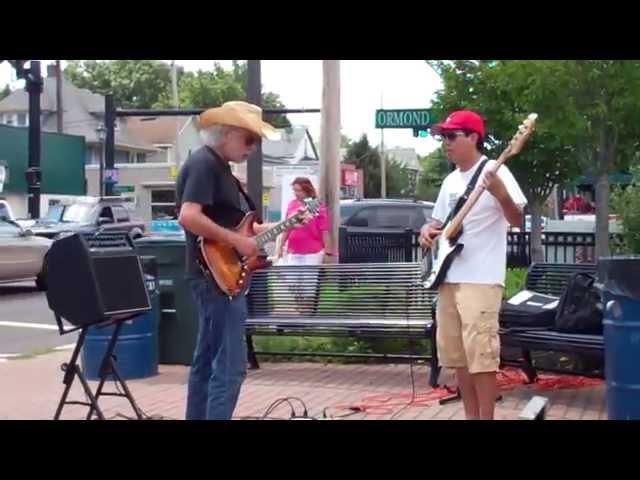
(54, 213)
(4, 211)
(78, 212)
(346, 210)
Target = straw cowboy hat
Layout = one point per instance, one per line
(239, 114)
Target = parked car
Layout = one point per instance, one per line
(90, 214)
(527, 224)
(22, 255)
(385, 213)
(5, 210)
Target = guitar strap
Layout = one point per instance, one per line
(465, 196)
(252, 205)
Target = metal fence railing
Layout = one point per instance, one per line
(361, 246)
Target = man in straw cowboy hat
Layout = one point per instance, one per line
(210, 203)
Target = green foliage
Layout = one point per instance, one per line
(134, 83)
(505, 92)
(589, 120)
(434, 167)
(364, 156)
(147, 84)
(515, 281)
(626, 203)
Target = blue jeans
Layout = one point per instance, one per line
(220, 360)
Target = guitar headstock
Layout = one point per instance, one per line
(312, 205)
(311, 209)
(522, 135)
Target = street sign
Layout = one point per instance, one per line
(418, 119)
(118, 189)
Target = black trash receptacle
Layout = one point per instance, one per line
(621, 295)
(178, 330)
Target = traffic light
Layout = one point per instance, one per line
(417, 132)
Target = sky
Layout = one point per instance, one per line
(365, 85)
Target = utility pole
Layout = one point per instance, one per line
(109, 147)
(383, 162)
(176, 105)
(254, 165)
(330, 145)
(59, 106)
(34, 173)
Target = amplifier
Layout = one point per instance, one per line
(92, 278)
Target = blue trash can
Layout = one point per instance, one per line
(136, 349)
(621, 294)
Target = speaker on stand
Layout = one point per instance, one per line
(95, 280)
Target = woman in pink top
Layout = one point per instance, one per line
(309, 243)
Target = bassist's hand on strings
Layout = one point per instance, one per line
(428, 233)
(493, 183)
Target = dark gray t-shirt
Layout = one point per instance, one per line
(206, 179)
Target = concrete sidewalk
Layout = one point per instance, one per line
(31, 389)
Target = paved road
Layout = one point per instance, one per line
(26, 323)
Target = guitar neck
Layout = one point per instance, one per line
(456, 223)
(271, 234)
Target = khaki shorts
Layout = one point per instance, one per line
(467, 326)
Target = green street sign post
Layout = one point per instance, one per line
(419, 120)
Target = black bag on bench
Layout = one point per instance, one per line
(580, 307)
(528, 310)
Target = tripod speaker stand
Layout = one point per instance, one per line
(95, 281)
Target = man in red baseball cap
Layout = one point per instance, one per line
(470, 296)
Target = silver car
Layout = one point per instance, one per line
(22, 254)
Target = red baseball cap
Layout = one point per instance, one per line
(461, 120)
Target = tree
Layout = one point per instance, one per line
(147, 84)
(5, 92)
(505, 92)
(365, 157)
(398, 183)
(205, 89)
(134, 83)
(606, 95)
(434, 167)
(626, 202)
(345, 141)
(589, 121)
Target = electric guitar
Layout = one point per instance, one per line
(232, 271)
(436, 261)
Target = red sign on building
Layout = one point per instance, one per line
(351, 181)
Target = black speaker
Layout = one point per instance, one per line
(94, 278)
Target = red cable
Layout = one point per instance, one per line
(507, 379)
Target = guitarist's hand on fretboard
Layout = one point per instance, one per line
(304, 217)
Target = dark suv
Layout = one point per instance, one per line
(90, 214)
(385, 213)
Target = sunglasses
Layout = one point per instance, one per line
(451, 136)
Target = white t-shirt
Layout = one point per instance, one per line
(483, 258)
